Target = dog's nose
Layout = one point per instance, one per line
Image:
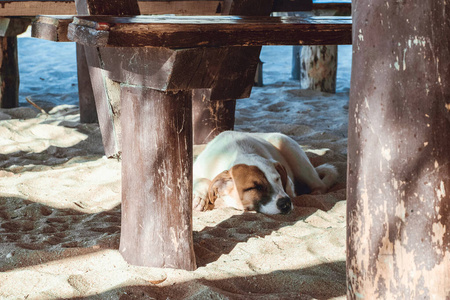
(284, 205)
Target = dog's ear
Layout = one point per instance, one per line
(219, 185)
(283, 173)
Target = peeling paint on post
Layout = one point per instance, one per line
(398, 244)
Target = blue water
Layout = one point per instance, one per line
(48, 72)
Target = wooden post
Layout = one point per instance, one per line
(210, 122)
(229, 86)
(295, 70)
(157, 178)
(88, 111)
(9, 72)
(399, 158)
(318, 66)
(10, 28)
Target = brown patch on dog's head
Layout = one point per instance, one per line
(242, 187)
(283, 174)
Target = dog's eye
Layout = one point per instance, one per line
(255, 187)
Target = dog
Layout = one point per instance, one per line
(256, 171)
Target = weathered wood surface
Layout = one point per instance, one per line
(105, 92)
(214, 108)
(9, 73)
(210, 117)
(157, 154)
(170, 70)
(52, 28)
(180, 7)
(13, 26)
(318, 67)
(88, 110)
(399, 158)
(55, 7)
(185, 31)
(9, 65)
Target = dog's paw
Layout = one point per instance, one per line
(200, 200)
(200, 203)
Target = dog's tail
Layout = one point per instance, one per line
(328, 174)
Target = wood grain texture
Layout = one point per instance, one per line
(54, 7)
(13, 26)
(157, 154)
(52, 28)
(180, 7)
(318, 68)
(187, 32)
(9, 73)
(169, 70)
(234, 79)
(398, 207)
(86, 99)
(210, 117)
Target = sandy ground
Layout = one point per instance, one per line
(60, 211)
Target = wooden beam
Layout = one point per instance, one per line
(57, 7)
(188, 32)
(179, 7)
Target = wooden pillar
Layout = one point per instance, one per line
(399, 158)
(318, 67)
(295, 70)
(157, 178)
(236, 79)
(9, 72)
(88, 111)
(10, 28)
(210, 122)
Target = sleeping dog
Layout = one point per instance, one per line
(256, 171)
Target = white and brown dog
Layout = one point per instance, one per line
(256, 171)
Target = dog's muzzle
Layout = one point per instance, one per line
(284, 205)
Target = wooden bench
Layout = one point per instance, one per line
(158, 62)
(205, 116)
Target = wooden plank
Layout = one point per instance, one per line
(156, 228)
(398, 206)
(180, 7)
(186, 32)
(56, 7)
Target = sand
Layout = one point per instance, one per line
(60, 208)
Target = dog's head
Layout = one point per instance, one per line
(250, 188)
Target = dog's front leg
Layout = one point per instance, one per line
(200, 199)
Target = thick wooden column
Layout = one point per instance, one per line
(213, 109)
(157, 178)
(88, 111)
(9, 72)
(399, 151)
